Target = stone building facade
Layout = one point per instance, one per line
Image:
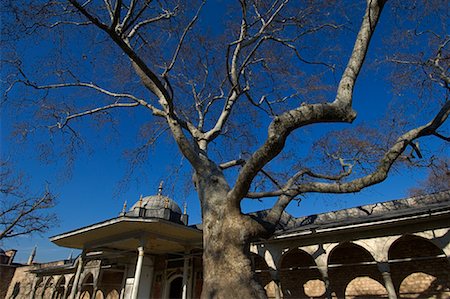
(394, 249)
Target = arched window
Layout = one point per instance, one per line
(99, 295)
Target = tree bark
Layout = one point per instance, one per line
(227, 271)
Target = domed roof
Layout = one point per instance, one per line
(158, 201)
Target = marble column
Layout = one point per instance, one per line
(137, 273)
(185, 274)
(388, 284)
(76, 280)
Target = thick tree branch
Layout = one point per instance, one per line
(381, 172)
(338, 111)
(152, 83)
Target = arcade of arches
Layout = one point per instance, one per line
(416, 268)
(396, 249)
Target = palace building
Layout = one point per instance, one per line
(393, 249)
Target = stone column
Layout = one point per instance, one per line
(324, 272)
(76, 280)
(388, 284)
(66, 289)
(137, 273)
(185, 274)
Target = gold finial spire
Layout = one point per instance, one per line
(140, 201)
(160, 188)
(166, 202)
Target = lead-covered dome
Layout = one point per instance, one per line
(157, 206)
(156, 202)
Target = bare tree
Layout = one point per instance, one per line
(20, 212)
(438, 179)
(269, 64)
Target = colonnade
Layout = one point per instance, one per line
(288, 266)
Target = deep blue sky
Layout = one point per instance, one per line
(89, 194)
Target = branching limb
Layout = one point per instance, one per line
(154, 85)
(165, 15)
(137, 101)
(377, 176)
(62, 124)
(129, 14)
(10, 229)
(180, 42)
(441, 136)
(338, 111)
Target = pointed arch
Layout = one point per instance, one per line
(60, 287)
(49, 288)
(87, 286)
(173, 287)
(39, 288)
(113, 294)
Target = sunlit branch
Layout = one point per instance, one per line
(61, 125)
(232, 163)
(166, 15)
(116, 14)
(94, 20)
(129, 13)
(109, 9)
(130, 22)
(70, 23)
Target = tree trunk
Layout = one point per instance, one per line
(227, 271)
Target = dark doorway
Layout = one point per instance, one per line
(176, 287)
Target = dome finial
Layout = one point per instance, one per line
(160, 188)
(124, 208)
(32, 255)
